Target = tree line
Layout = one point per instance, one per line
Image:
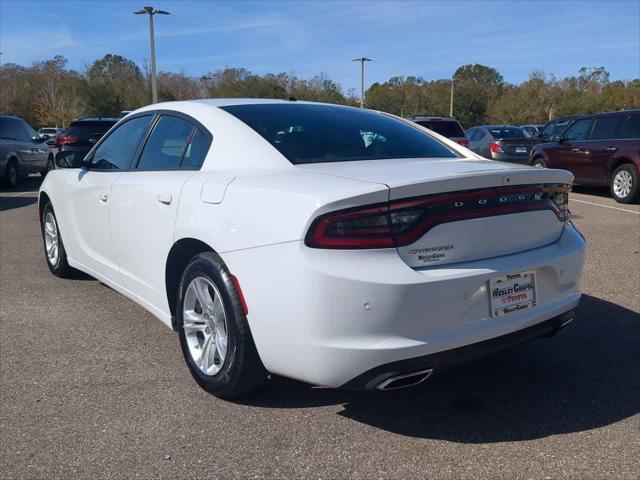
(48, 93)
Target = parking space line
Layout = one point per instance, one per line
(17, 194)
(604, 206)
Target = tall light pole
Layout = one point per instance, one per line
(451, 102)
(151, 12)
(204, 79)
(362, 60)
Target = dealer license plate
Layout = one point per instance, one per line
(521, 149)
(512, 293)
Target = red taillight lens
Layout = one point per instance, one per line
(402, 222)
(464, 143)
(495, 148)
(62, 139)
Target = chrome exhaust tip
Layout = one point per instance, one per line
(406, 380)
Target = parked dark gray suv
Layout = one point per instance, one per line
(22, 151)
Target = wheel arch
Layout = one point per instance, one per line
(617, 162)
(181, 252)
(42, 201)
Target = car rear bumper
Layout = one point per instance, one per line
(437, 362)
(504, 157)
(327, 317)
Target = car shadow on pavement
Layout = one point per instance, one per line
(9, 203)
(586, 377)
(595, 191)
(29, 184)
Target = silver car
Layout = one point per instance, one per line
(22, 151)
(501, 142)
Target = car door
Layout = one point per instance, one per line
(88, 198)
(145, 204)
(601, 147)
(21, 143)
(38, 147)
(569, 151)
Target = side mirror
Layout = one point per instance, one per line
(66, 159)
(562, 139)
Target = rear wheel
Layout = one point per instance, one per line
(50, 166)
(624, 184)
(214, 334)
(538, 163)
(53, 246)
(11, 174)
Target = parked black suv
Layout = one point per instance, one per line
(22, 151)
(84, 133)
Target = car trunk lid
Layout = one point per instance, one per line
(473, 209)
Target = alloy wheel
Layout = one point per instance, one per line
(205, 325)
(622, 184)
(51, 238)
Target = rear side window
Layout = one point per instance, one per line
(308, 133)
(166, 145)
(605, 128)
(196, 150)
(447, 128)
(630, 126)
(117, 150)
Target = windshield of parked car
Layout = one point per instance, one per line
(307, 133)
(506, 132)
(448, 128)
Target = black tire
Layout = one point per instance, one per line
(628, 171)
(61, 266)
(50, 166)
(11, 174)
(538, 163)
(242, 370)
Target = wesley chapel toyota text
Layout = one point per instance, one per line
(334, 245)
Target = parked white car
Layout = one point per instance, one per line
(329, 244)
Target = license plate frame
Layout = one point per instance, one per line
(513, 292)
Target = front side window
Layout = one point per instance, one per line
(579, 131)
(166, 144)
(605, 128)
(307, 133)
(117, 150)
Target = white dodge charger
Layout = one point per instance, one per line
(329, 244)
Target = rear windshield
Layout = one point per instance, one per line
(87, 130)
(447, 128)
(307, 133)
(506, 132)
(49, 130)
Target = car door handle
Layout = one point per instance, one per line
(165, 198)
(611, 149)
(104, 197)
(575, 150)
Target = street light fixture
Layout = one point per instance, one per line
(362, 60)
(204, 79)
(151, 12)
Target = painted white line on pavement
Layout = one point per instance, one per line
(604, 206)
(18, 194)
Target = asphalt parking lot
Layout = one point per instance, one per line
(92, 386)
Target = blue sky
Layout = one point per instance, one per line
(426, 38)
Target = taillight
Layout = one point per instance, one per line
(62, 139)
(402, 222)
(464, 143)
(495, 148)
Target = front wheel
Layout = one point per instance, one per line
(53, 246)
(538, 163)
(624, 184)
(11, 174)
(214, 334)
